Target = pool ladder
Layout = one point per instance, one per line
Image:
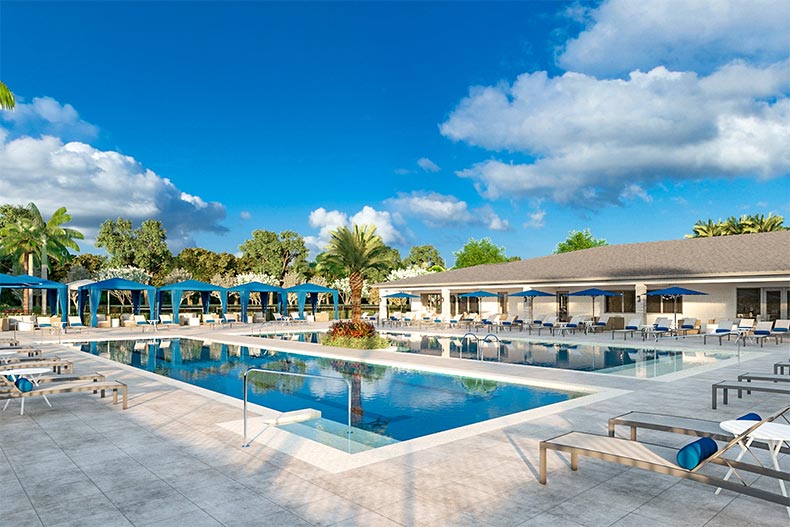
(478, 340)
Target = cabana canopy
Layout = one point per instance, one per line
(57, 293)
(177, 290)
(244, 291)
(313, 290)
(95, 289)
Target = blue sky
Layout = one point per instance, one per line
(435, 121)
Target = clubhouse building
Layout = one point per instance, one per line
(743, 276)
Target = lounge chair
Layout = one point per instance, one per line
(748, 387)
(57, 364)
(67, 387)
(760, 332)
(277, 317)
(779, 367)
(74, 323)
(139, 321)
(687, 325)
(166, 322)
(579, 322)
(676, 425)
(15, 351)
(210, 320)
(490, 323)
(549, 323)
(661, 459)
(8, 342)
(229, 319)
(601, 323)
(632, 327)
(661, 327)
(7, 381)
(517, 322)
(781, 330)
(45, 324)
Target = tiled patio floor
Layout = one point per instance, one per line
(164, 461)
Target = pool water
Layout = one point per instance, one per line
(388, 404)
(616, 360)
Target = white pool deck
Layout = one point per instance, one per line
(175, 457)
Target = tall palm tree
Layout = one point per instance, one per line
(32, 239)
(356, 251)
(7, 101)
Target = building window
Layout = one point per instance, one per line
(747, 303)
(661, 304)
(432, 302)
(503, 303)
(621, 304)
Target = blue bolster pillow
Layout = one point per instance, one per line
(23, 385)
(694, 453)
(750, 417)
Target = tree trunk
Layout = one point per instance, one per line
(44, 265)
(356, 281)
(27, 296)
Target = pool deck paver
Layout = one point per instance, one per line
(164, 461)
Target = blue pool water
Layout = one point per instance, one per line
(617, 360)
(386, 402)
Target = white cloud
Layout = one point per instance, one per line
(95, 185)
(634, 191)
(702, 35)
(537, 220)
(46, 116)
(592, 139)
(427, 165)
(329, 220)
(403, 171)
(245, 215)
(438, 210)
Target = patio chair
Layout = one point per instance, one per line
(45, 324)
(229, 319)
(516, 321)
(141, 322)
(760, 332)
(632, 327)
(579, 322)
(210, 320)
(662, 326)
(669, 461)
(601, 323)
(16, 350)
(748, 387)
(57, 364)
(548, 324)
(24, 390)
(7, 381)
(724, 328)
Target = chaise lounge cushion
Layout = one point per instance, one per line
(751, 416)
(695, 452)
(23, 385)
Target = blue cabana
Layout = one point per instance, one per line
(93, 294)
(177, 291)
(313, 290)
(244, 291)
(57, 293)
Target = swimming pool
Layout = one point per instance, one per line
(388, 404)
(616, 360)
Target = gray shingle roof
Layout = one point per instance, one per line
(742, 255)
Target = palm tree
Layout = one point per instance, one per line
(707, 229)
(770, 223)
(31, 240)
(356, 252)
(7, 101)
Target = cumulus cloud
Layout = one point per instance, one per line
(537, 220)
(46, 116)
(623, 35)
(245, 215)
(329, 220)
(427, 165)
(592, 138)
(439, 210)
(95, 185)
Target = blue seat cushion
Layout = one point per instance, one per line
(695, 452)
(762, 332)
(722, 330)
(23, 385)
(632, 327)
(751, 416)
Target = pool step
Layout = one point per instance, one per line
(335, 435)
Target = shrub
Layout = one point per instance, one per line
(352, 330)
(364, 343)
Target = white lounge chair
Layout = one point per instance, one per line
(632, 327)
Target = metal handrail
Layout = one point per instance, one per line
(291, 374)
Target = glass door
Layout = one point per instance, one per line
(562, 305)
(774, 309)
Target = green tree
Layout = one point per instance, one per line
(7, 100)
(478, 252)
(426, 256)
(746, 224)
(357, 252)
(33, 239)
(144, 247)
(203, 264)
(578, 240)
(275, 254)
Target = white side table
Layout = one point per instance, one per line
(774, 434)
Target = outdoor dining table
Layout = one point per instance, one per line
(774, 434)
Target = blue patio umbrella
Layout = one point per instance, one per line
(402, 295)
(531, 294)
(674, 293)
(479, 294)
(593, 293)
